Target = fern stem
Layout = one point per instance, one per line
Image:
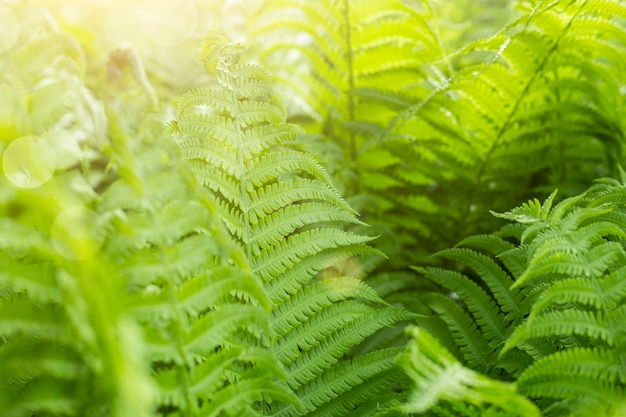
(434, 28)
(246, 232)
(494, 145)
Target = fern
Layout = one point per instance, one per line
(582, 302)
(204, 315)
(547, 311)
(215, 269)
(461, 139)
(281, 208)
(477, 325)
(538, 112)
(438, 376)
(132, 301)
(345, 46)
(359, 62)
(529, 108)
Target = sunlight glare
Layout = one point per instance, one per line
(120, 24)
(11, 28)
(169, 23)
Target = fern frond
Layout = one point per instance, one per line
(496, 279)
(536, 95)
(204, 315)
(583, 323)
(481, 309)
(562, 375)
(488, 317)
(357, 62)
(277, 260)
(343, 388)
(604, 294)
(317, 296)
(309, 365)
(577, 258)
(466, 334)
(438, 376)
(288, 219)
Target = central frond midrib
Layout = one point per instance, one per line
(494, 145)
(245, 203)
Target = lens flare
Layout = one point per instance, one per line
(29, 162)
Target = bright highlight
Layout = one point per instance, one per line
(10, 28)
(29, 162)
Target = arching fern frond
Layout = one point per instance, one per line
(440, 379)
(579, 256)
(482, 309)
(356, 63)
(120, 293)
(567, 374)
(548, 300)
(538, 111)
(342, 47)
(288, 220)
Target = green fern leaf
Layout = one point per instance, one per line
(438, 376)
(475, 349)
(347, 385)
(578, 322)
(566, 375)
(287, 218)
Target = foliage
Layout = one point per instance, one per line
(547, 311)
(439, 376)
(252, 235)
(285, 215)
(424, 139)
(528, 108)
(108, 278)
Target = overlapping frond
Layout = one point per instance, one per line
(215, 269)
(483, 309)
(532, 107)
(348, 68)
(438, 378)
(341, 47)
(545, 304)
(288, 220)
(205, 317)
(578, 257)
(538, 111)
(129, 302)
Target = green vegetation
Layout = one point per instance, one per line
(330, 208)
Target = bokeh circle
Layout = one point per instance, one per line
(29, 162)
